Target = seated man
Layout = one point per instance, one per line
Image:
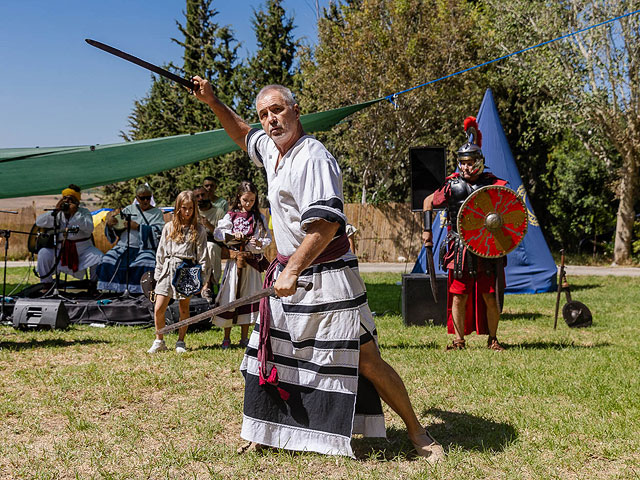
(75, 251)
(210, 214)
(146, 223)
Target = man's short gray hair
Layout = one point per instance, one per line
(284, 91)
(142, 188)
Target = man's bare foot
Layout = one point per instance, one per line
(426, 446)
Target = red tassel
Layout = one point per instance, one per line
(284, 395)
(273, 376)
(273, 380)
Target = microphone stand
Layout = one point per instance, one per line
(127, 217)
(6, 234)
(56, 282)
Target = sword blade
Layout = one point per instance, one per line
(432, 274)
(265, 292)
(138, 61)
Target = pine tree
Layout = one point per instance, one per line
(210, 51)
(273, 62)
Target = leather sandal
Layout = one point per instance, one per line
(493, 344)
(433, 452)
(456, 345)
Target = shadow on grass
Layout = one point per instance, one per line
(522, 315)
(218, 346)
(552, 345)
(384, 297)
(396, 446)
(577, 288)
(47, 343)
(411, 346)
(456, 430)
(470, 432)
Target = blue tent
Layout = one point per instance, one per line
(530, 267)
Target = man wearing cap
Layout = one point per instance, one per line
(74, 250)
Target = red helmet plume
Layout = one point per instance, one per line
(471, 149)
(473, 131)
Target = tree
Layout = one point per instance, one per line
(273, 61)
(372, 48)
(593, 80)
(211, 51)
(271, 64)
(582, 197)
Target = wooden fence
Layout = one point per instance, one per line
(386, 233)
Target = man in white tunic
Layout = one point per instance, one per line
(313, 371)
(73, 251)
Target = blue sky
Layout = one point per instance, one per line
(56, 90)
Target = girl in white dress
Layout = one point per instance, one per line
(182, 239)
(244, 230)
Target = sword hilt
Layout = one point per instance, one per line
(304, 284)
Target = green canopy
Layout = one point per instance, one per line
(45, 171)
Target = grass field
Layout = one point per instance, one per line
(90, 403)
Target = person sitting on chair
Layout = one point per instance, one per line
(145, 227)
(74, 250)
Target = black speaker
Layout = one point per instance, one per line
(428, 171)
(40, 313)
(418, 307)
(197, 305)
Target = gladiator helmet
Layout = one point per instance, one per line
(471, 148)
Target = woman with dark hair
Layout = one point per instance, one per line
(182, 239)
(244, 230)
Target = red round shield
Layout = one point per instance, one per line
(492, 221)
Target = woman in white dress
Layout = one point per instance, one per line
(244, 230)
(182, 239)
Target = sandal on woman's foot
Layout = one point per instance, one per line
(456, 345)
(226, 343)
(244, 342)
(429, 448)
